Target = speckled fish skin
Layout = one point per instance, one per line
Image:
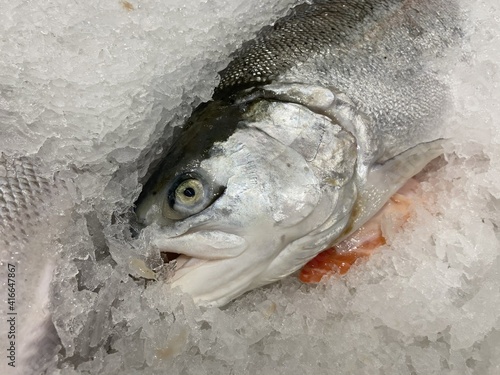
(22, 191)
(25, 191)
(315, 124)
(372, 51)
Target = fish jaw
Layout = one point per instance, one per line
(215, 282)
(271, 254)
(221, 265)
(204, 244)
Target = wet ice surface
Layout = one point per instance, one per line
(88, 86)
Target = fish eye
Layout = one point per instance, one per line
(189, 191)
(187, 195)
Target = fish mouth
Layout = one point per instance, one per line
(186, 252)
(168, 256)
(183, 264)
(180, 264)
(177, 261)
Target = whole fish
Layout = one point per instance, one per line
(314, 125)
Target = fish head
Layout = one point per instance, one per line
(248, 194)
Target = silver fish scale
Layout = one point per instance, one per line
(22, 192)
(294, 38)
(376, 52)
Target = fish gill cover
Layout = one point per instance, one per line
(86, 89)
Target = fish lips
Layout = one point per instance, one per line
(200, 251)
(202, 244)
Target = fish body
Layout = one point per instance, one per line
(28, 256)
(314, 125)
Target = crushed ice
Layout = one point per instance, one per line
(88, 87)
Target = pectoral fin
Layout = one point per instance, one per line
(384, 179)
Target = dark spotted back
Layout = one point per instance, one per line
(305, 31)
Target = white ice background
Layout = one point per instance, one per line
(94, 88)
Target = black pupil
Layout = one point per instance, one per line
(189, 192)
